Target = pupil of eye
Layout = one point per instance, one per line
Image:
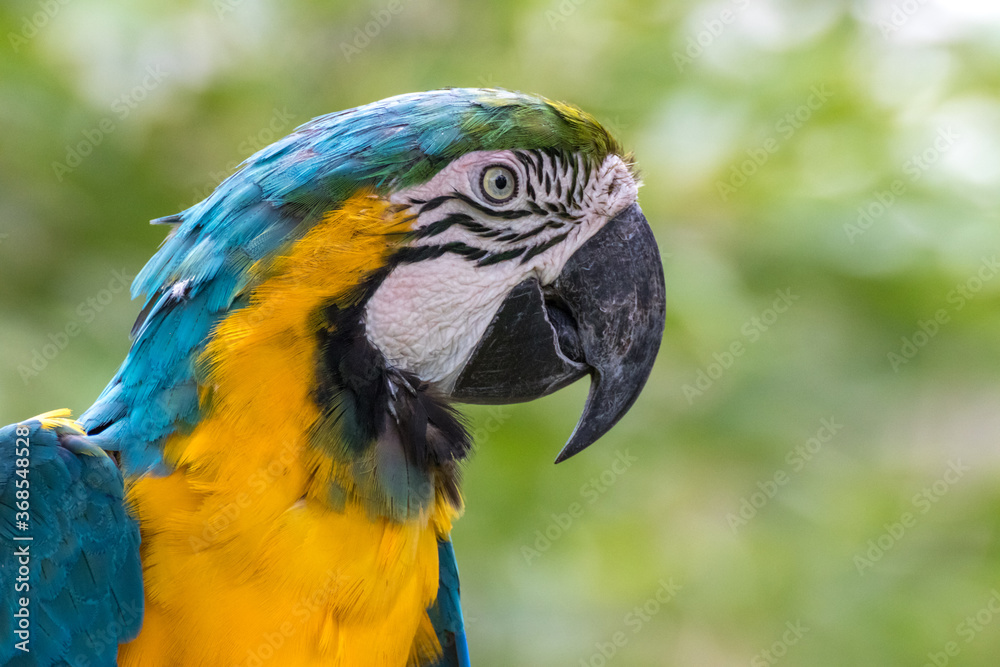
(501, 182)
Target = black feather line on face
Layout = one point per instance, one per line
(413, 254)
(460, 219)
(550, 167)
(573, 182)
(501, 257)
(539, 249)
(359, 391)
(512, 214)
(553, 224)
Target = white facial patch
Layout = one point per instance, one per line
(429, 314)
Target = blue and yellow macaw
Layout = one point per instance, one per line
(272, 474)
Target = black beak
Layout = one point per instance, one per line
(603, 315)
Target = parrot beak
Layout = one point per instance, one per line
(603, 316)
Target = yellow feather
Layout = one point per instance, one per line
(244, 562)
(61, 418)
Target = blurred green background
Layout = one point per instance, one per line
(811, 476)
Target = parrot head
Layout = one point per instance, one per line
(459, 245)
(527, 269)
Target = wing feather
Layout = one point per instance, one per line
(84, 579)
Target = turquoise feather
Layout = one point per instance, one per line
(446, 612)
(85, 580)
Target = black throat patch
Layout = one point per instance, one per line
(403, 442)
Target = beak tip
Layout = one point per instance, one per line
(563, 455)
(593, 425)
(569, 451)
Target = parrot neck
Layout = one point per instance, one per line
(296, 366)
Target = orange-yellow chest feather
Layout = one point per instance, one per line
(245, 560)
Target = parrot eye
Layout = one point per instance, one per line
(498, 184)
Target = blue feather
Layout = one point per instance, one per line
(446, 612)
(84, 583)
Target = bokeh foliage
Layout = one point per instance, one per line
(765, 131)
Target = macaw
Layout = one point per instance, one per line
(272, 474)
